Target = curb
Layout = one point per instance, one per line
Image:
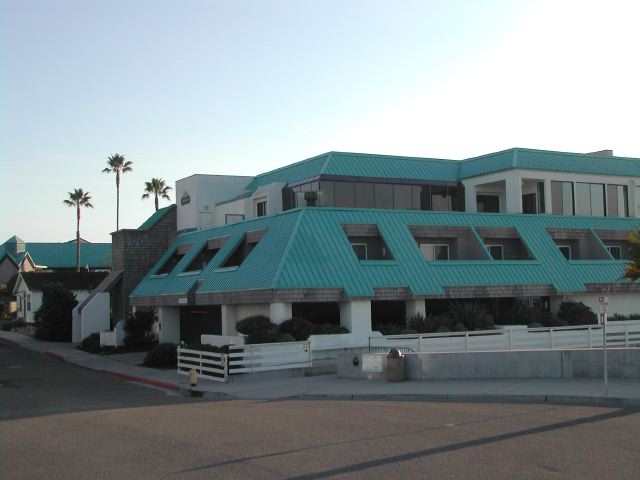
(57, 356)
(145, 380)
(478, 398)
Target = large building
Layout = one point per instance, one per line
(358, 239)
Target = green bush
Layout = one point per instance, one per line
(286, 337)
(473, 315)
(524, 314)
(138, 327)
(390, 329)
(11, 325)
(91, 343)
(328, 329)
(576, 313)
(418, 323)
(163, 355)
(53, 320)
(259, 329)
(298, 328)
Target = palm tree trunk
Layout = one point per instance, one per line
(117, 201)
(156, 201)
(78, 242)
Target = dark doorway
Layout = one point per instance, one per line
(388, 312)
(195, 321)
(488, 203)
(317, 312)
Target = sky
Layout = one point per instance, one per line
(243, 87)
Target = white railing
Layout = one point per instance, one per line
(584, 336)
(209, 365)
(269, 356)
(244, 359)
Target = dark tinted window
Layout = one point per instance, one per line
(345, 194)
(384, 195)
(365, 195)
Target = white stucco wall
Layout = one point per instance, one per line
(205, 191)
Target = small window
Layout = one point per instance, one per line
(431, 251)
(496, 251)
(261, 209)
(28, 302)
(233, 218)
(360, 249)
(565, 250)
(616, 252)
(202, 259)
(170, 264)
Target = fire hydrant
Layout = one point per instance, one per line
(193, 377)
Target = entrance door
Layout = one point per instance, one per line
(196, 321)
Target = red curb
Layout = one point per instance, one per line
(148, 381)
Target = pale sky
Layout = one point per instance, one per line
(242, 87)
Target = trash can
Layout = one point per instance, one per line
(395, 366)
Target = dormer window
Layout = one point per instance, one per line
(434, 251)
(174, 259)
(261, 208)
(244, 248)
(367, 243)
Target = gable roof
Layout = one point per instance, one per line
(72, 280)
(307, 248)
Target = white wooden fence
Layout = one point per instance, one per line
(619, 334)
(241, 359)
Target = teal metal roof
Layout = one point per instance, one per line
(155, 218)
(529, 159)
(307, 248)
(62, 255)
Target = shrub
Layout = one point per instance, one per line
(328, 329)
(204, 347)
(524, 314)
(54, 317)
(138, 327)
(473, 315)
(12, 325)
(442, 329)
(576, 313)
(163, 355)
(534, 325)
(91, 343)
(298, 328)
(418, 323)
(286, 337)
(259, 329)
(390, 329)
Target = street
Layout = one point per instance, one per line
(60, 421)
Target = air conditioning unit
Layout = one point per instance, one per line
(309, 199)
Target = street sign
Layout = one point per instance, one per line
(604, 304)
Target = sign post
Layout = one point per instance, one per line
(604, 309)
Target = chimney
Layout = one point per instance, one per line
(602, 153)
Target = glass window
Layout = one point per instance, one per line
(617, 201)
(364, 195)
(327, 194)
(202, 259)
(416, 191)
(496, 251)
(440, 199)
(567, 198)
(488, 203)
(431, 251)
(261, 208)
(345, 194)
(233, 218)
(615, 251)
(360, 249)
(597, 199)
(402, 197)
(384, 195)
(170, 263)
(583, 199)
(565, 250)
(540, 189)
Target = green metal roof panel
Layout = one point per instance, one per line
(529, 159)
(307, 248)
(153, 219)
(63, 255)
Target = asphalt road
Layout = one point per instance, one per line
(64, 422)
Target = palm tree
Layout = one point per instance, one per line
(633, 268)
(158, 188)
(118, 165)
(78, 198)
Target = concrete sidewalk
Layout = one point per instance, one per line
(622, 392)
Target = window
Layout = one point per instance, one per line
(344, 194)
(173, 260)
(615, 251)
(402, 197)
(244, 248)
(28, 302)
(233, 218)
(565, 250)
(441, 200)
(590, 199)
(261, 208)
(617, 201)
(496, 251)
(561, 198)
(384, 195)
(434, 251)
(488, 203)
(360, 249)
(365, 195)
(202, 259)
